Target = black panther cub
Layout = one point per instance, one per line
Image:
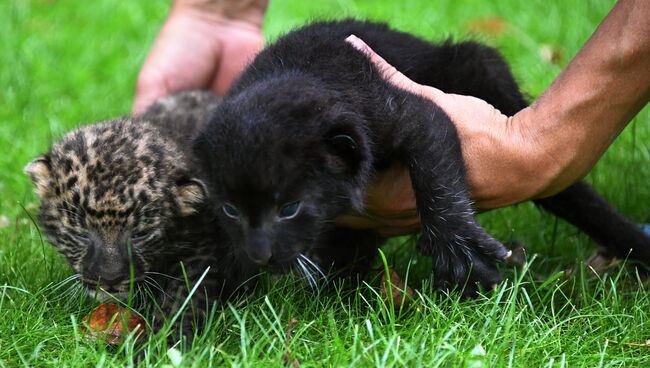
(310, 121)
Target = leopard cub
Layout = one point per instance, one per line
(123, 201)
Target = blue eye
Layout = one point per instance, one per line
(289, 210)
(231, 211)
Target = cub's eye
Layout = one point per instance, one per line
(289, 210)
(139, 237)
(231, 211)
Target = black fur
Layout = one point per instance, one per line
(312, 120)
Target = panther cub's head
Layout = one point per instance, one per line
(109, 195)
(286, 158)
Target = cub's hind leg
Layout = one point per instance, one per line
(584, 208)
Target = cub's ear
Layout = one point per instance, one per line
(191, 194)
(343, 144)
(346, 150)
(40, 173)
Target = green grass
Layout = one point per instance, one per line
(66, 62)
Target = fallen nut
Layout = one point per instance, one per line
(107, 322)
(601, 263)
(397, 289)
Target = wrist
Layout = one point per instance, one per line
(540, 159)
(224, 11)
(507, 161)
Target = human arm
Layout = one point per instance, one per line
(543, 148)
(202, 44)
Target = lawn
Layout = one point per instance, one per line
(66, 62)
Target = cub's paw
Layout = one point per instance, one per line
(468, 264)
(483, 275)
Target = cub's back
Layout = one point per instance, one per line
(467, 67)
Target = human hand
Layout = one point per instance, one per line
(201, 45)
(497, 151)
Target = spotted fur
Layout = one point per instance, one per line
(125, 197)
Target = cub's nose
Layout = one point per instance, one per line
(109, 281)
(258, 248)
(260, 256)
(104, 280)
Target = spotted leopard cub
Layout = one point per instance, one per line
(125, 197)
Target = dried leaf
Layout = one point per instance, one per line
(492, 26)
(286, 357)
(643, 345)
(107, 322)
(397, 288)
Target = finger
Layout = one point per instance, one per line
(234, 58)
(388, 71)
(149, 87)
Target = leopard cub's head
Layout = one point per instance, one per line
(110, 195)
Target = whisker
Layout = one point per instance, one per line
(151, 282)
(65, 281)
(73, 206)
(318, 269)
(243, 283)
(308, 275)
(67, 211)
(141, 296)
(70, 293)
(162, 274)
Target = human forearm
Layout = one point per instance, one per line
(544, 148)
(592, 100)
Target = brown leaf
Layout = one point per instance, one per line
(492, 26)
(397, 288)
(107, 322)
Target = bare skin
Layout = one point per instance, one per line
(203, 44)
(543, 148)
(535, 153)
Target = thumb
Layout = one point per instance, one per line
(150, 86)
(392, 75)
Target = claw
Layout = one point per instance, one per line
(516, 256)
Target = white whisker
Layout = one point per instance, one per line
(64, 282)
(151, 282)
(304, 257)
(243, 283)
(163, 274)
(308, 275)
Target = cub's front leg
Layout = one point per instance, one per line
(173, 290)
(464, 255)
